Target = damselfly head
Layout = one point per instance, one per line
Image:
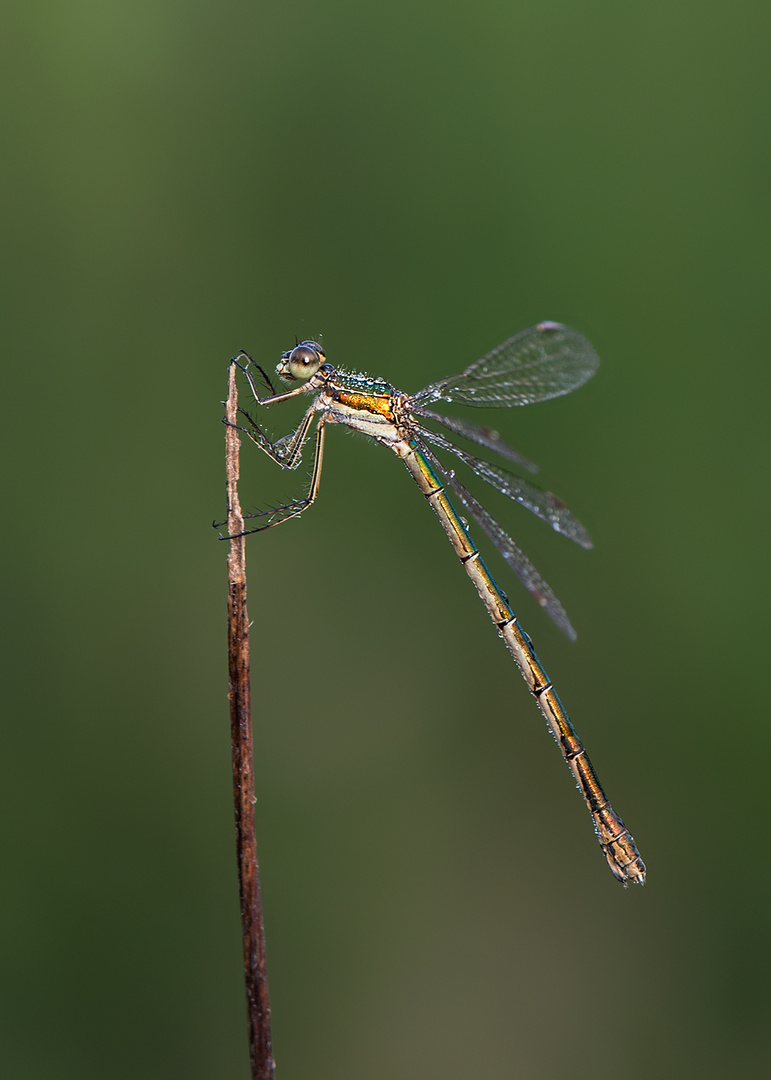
(301, 362)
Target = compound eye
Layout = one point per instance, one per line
(303, 361)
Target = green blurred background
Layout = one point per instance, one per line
(415, 182)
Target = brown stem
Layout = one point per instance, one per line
(258, 1004)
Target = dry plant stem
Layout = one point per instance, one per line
(258, 1004)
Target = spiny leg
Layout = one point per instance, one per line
(304, 389)
(248, 375)
(286, 450)
(293, 509)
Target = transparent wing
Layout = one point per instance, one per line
(542, 503)
(537, 364)
(482, 436)
(513, 555)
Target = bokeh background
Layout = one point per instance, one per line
(413, 182)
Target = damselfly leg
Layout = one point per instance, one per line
(285, 451)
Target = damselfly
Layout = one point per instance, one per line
(540, 363)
